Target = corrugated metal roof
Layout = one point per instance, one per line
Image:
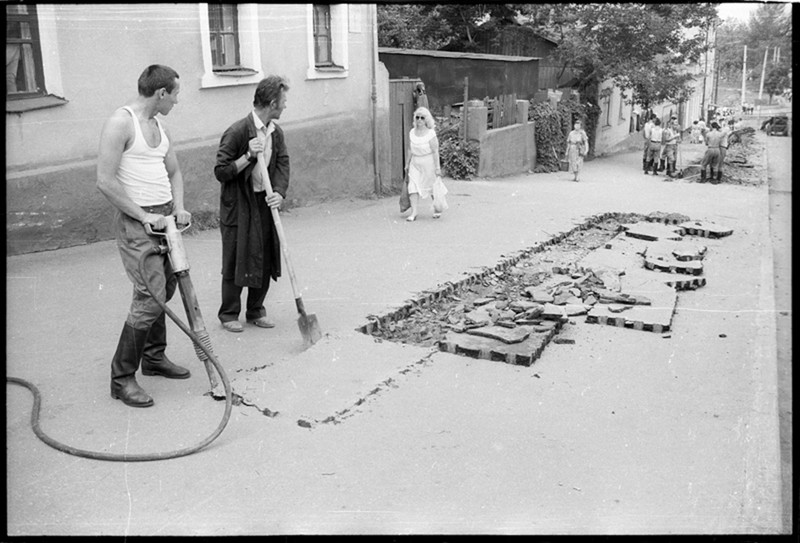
(452, 54)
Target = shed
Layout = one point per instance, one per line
(443, 73)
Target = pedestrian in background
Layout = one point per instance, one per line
(577, 148)
(695, 133)
(726, 130)
(711, 157)
(654, 150)
(648, 127)
(251, 255)
(138, 172)
(671, 136)
(423, 168)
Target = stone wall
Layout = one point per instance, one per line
(503, 151)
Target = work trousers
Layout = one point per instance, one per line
(711, 158)
(646, 149)
(133, 242)
(231, 292)
(671, 153)
(654, 152)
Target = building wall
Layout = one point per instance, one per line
(97, 53)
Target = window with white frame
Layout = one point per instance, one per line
(230, 44)
(607, 110)
(24, 74)
(327, 41)
(33, 70)
(621, 107)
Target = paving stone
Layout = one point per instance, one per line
(501, 333)
(574, 300)
(479, 316)
(590, 300)
(482, 301)
(673, 265)
(575, 309)
(575, 291)
(705, 229)
(618, 308)
(539, 296)
(523, 305)
(552, 311)
(562, 298)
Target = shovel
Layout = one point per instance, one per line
(309, 327)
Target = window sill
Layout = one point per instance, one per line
(240, 72)
(326, 72)
(244, 76)
(30, 104)
(606, 127)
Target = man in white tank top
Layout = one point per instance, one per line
(138, 172)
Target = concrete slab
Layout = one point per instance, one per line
(652, 231)
(501, 333)
(322, 383)
(705, 229)
(523, 353)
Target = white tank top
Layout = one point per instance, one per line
(142, 171)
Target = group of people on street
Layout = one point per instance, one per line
(661, 145)
(139, 174)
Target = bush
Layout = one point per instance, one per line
(459, 160)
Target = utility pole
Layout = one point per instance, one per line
(744, 72)
(763, 72)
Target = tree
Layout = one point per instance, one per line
(412, 26)
(777, 79)
(644, 48)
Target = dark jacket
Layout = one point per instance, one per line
(237, 202)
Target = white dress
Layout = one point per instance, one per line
(422, 171)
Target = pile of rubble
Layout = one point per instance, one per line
(623, 271)
(744, 162)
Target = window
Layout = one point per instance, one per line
(327, 40)
(607, 111)
(223, 28)
(230, 45)
(621, 107)
(322, 36)
(24, 73)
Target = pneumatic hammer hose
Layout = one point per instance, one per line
(201, 345)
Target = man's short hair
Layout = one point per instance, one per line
(157, 76)
(657, 121)
(269, 89)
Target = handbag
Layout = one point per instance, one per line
(405, 201)
(439, 200)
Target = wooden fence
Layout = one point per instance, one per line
(502, 111)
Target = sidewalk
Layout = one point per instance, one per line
(623, 432)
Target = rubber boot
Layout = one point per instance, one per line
(711, 177)
(654, 165)
(661, 165)
(644, 165)
(703, 175)
(719, 177)
(124, 365)
(154, 360)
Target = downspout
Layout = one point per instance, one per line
(373, 9)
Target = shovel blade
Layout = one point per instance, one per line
(309, 329)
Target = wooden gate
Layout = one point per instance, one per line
(401, 113)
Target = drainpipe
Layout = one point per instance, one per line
(373, 10)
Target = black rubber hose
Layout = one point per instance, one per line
(142, 457)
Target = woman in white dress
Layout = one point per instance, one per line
(577, 147)
(423, 167)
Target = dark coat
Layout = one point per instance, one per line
(237, 202)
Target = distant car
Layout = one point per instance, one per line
(776, 126)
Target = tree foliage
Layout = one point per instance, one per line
(412, 26)
(768, 27)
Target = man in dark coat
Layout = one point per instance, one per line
(250, 245)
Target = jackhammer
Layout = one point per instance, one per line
(196, 331)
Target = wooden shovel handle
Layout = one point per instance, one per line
(276, 217)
